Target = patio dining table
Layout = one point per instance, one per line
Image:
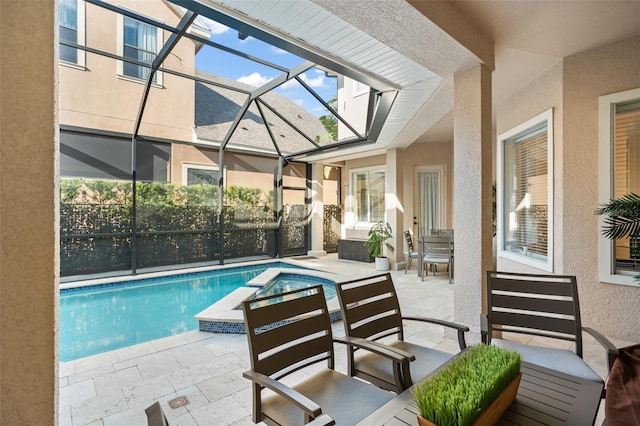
(545, 397)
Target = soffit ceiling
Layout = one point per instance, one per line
(393, 41)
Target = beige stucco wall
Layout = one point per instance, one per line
(426, 154)
(97, 98)
(541, 94)
(240, 169)
(572, 87)
(612, 309)
(28, 213)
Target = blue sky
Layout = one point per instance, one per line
(232, 67)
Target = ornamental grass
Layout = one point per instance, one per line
(458, 393)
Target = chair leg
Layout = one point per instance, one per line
(408, 264)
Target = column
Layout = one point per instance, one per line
(394, 207)
(28, 213)
(472, 173)
(317, 211)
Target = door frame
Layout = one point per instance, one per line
(441, 170)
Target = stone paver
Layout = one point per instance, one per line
(112, 389)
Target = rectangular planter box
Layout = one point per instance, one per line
(353, 250)
(495, 410)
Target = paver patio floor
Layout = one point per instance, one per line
(114, 388)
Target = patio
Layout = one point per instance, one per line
(113, 388)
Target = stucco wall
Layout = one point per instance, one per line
(426, 154)
(612, 309)
(28, 213)
(541, 94)
(572, 87)
(98, 98)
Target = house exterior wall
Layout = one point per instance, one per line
(572, 87)
(240, 169)
(28, 211)
(426, 154)
(352, 106)
(612, 309)
(539, 95)
(98, 98)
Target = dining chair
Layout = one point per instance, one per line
(541, 306)
(371, 310)
(436, 249)
(289, 332)
(412, 253)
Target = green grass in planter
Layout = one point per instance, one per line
(460, 392)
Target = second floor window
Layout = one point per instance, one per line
(140, 42)
(368, 195)
(71, 23)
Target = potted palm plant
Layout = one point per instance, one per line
(623, 220)
(377, 241)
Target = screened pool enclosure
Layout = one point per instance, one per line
(166, 160)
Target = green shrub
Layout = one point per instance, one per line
(460, 392)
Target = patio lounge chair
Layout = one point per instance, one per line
(371, 310)
(545, 306)
(288, 332)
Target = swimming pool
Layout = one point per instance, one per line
(101, 318)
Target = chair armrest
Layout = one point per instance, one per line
(612, 351)
(395, 354)
(305, 404)
(401, 359)
(323, 420)
(459, 327)
(484, 329)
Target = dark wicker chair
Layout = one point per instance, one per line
(288, 332)
(540, 305)
(371, 310)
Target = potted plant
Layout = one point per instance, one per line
(377, 240)
(474, 388)
(623, 220)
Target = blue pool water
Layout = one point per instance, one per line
(102, 318)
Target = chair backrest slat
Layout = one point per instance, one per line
(372, 297)
(282, 334)
(536, 322)
(562, 307)
(537, 304)
(359, 312)
(553, 288)
(278, 339)
(407, 237)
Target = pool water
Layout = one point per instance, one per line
(102, 318)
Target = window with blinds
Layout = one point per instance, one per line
(141, 44)
(524, 192)
(626, 175)
(368, 195)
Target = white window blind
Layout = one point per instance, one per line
(626, 174)
(68, 18)
(140, 43)
(525, 197)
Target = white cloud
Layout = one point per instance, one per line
(255, 79)
(278, 51)
(299, 102)
(291, 84)
(313, 82)
(215, 27)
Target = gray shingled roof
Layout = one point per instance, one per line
(216, 108)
